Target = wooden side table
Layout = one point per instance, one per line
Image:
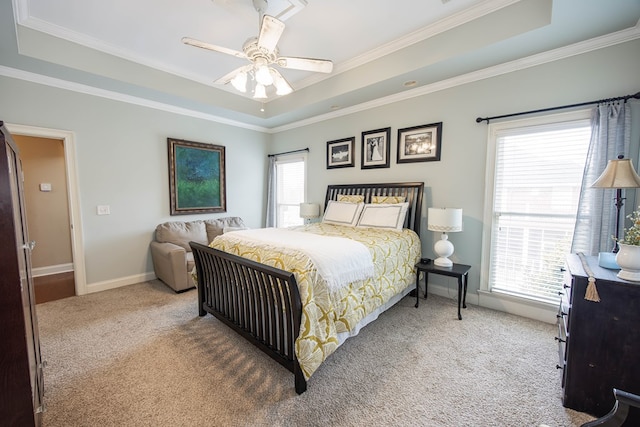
(461, 271)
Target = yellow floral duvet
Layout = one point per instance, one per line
(324, 313)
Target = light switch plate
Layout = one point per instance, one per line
(103, 210)
(45, 186)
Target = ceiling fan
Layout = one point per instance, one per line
(262, 52)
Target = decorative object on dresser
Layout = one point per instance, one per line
(309, 211)
(446, 220)
(599, 342)
(617, 175)
(264, 303)
(21, 376)
(628, 256)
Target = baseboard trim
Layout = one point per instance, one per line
(118, 283)
(51, 269)
(533, 310)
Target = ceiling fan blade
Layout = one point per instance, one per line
(270, 32)
(306, 64)
(228, 77)
(209, 46)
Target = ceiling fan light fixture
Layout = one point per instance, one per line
(263, 75)
(259, 92)
(240, 82)
(282, 86)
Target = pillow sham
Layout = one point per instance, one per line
(387, 199)
(342, 213)
(351, 198)
(384, 215)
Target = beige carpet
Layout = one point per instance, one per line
(141, 356)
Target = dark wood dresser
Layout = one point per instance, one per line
(599, 342)
(21, 379)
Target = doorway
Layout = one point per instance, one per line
(61, 274)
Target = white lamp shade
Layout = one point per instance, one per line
(618, 174)
(309, 210)
(446, 220)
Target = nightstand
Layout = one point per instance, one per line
(460, 271)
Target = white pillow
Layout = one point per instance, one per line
(226, 230)
(386, 215)
(342, 213)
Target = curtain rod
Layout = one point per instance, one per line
(636, 96)
(289, 152)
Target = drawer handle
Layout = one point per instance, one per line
(559, 339)
(564, 285)
(559, 367)
(562, 314)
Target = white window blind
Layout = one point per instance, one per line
(537, 180)
(290, 189)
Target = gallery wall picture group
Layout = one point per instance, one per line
(196, 177)
(415, 144)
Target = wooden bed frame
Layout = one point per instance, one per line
(263, 303)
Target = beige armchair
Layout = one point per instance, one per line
(171, 253)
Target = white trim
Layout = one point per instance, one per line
(117, 96)
(486, 73)
(118, 283)
(51, 269)
(75, 216)
(504, 303)
(508, 67)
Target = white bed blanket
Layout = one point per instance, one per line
(338, 260)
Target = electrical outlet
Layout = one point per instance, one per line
(104, 210)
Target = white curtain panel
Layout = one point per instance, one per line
(271, 213)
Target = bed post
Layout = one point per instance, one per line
(301, 383)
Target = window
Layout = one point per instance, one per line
(290, 189)
(535, 174)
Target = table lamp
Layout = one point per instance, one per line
(446, 220)
(618, 174)
(309, 210)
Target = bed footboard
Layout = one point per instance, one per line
(259, 302)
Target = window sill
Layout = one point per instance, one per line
(502, 301)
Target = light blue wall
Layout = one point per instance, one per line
(122, 151)
(122, 161)
(458, 179)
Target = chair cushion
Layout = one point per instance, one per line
(181, 233)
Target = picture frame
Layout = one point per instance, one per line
(340, 153)
(420, 143)
(376, 148)
(197, 182)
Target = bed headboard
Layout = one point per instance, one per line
(412, 191)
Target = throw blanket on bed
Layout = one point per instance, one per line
(339, 261)
(326, 313)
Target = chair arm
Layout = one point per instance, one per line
(170, 264)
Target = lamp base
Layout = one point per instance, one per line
(443, 248)
(443, 262)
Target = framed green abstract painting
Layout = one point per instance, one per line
(196, 177)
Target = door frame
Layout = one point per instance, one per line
(75, 217)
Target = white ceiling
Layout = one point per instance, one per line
(134, 47)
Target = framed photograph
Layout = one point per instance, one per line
(340, 153)
(196, 177)
(420, 143)
(375, 148)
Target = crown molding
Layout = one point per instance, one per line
(116, 96)
(508, 67)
